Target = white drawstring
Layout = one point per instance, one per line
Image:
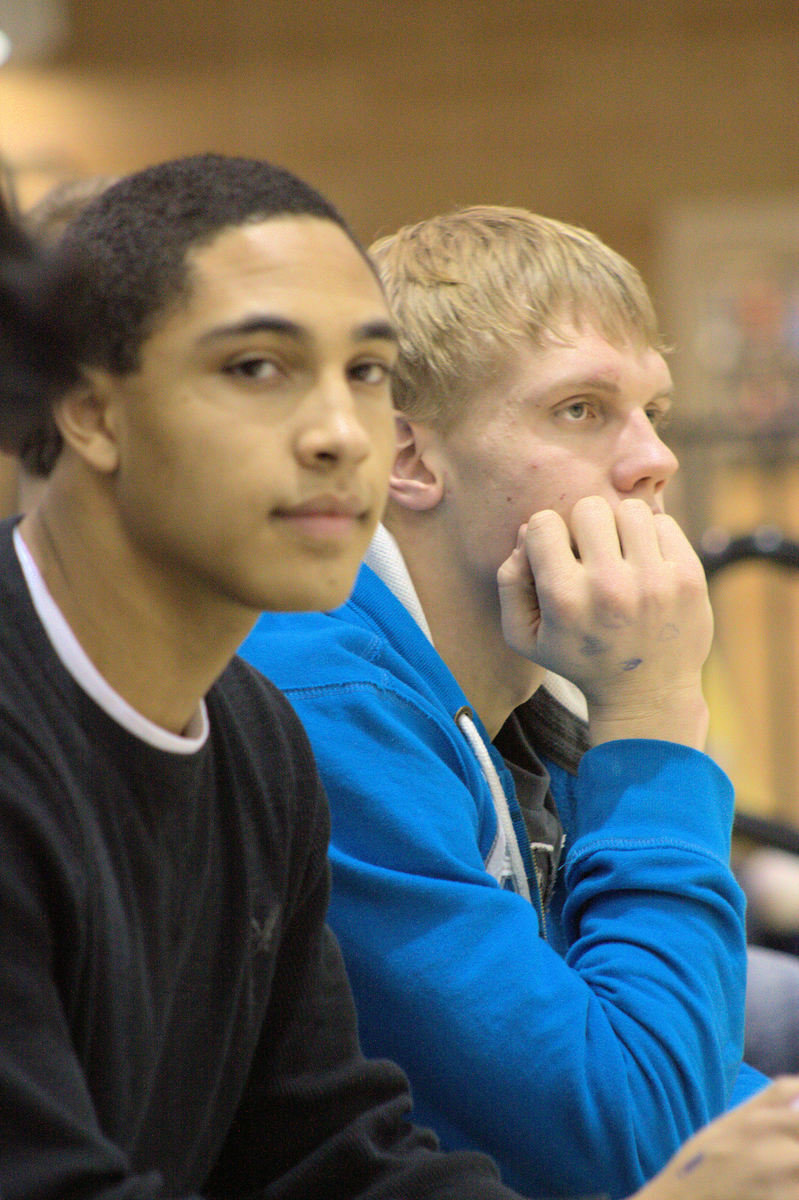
(385, 559)
(467, 727)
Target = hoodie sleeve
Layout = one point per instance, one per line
(578, 1068)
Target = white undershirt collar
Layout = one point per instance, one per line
(86, 675)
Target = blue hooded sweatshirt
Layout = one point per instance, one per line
(579, 1047)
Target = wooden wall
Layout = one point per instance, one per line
(597, 111)
(603, 112)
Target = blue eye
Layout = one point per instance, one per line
(659, 418)
(577, 410)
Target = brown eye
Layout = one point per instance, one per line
(253, 367)
(372, 373)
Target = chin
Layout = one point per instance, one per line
(320, 597)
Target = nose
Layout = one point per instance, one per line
(644, 463)
(331, 432)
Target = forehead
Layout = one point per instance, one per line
(284, 263)
(578, 358)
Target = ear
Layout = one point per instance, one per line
(85, 416)
(417, 480)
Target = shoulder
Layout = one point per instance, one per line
(311, 650)
(368, 699)
(246, 706)
(265, 771)
(341, 672)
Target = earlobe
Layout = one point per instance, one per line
(416, 479)
(85, 419)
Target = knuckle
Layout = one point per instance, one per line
(610, 587)
(614, 603)
(691, 587)
(562, 603)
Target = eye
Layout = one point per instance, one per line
(576, 411)
(659, 418)
(373, 373)
(254, 366)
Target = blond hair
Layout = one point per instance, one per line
(470, 285)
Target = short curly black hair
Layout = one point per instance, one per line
(123, 259)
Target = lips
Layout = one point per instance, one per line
(326, 506)
(328, 522)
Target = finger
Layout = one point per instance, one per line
(515, 571)
(638, 534)
(783, 1091)
(547, 544)
(518, 599)
(674, 545)
(780, 1100)
(595, 532)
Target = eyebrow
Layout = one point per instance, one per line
(379, 329)
(602, 384)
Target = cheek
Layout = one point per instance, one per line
(381, 428)
(524, 487)
(383, 463)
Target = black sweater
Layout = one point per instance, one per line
(174, 1015)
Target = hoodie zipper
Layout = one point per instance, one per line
(539, 884)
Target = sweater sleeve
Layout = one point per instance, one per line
(51, 1139)
(576, 1071)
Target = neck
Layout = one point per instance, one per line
(466, 629)
(156, 644)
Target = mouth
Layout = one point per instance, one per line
(325, 517)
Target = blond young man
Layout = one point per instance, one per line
(575, 1007)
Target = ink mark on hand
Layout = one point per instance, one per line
(631, 664)
(614, 619)
(691, 1165)
(669, 632)
(592, 646)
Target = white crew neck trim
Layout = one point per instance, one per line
(86, 675)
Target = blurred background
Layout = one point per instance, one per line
(669, 127)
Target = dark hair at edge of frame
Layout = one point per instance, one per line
(123, 260)
(38, 358)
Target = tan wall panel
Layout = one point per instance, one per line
(597, 112)
(603, 112)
